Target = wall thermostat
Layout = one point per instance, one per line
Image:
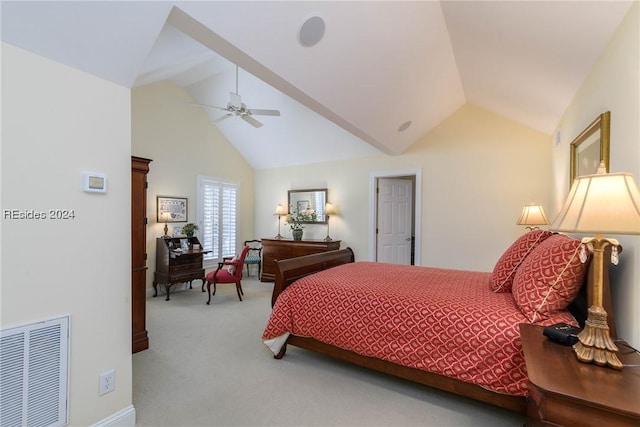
(94, 182)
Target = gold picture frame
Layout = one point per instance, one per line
(591, 147)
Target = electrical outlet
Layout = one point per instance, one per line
(107, 382)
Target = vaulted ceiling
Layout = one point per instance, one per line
(377, 66)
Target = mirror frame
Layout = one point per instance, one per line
(319, 211)
(592, 147)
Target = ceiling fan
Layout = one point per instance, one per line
(235, 107)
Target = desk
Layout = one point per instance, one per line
(177, 266)
(566, 392)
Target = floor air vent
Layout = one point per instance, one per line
(34, 374)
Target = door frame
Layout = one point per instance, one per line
(417, 208)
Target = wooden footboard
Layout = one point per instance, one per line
(292, 269)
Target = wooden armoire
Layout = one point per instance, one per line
(139, 171)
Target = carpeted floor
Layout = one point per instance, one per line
(206, 366)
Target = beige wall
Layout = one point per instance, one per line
(478, 170)
(613, 85)
(56, 123)
(183, 143)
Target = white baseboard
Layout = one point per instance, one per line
(123, 418)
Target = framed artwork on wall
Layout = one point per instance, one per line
(591, 147)
(171, 209)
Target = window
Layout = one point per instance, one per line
(217, 216)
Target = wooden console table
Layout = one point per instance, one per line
(177, 265)
(274, 250)
(566, 392)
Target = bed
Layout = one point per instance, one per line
(455, 330)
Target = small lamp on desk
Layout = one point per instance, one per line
(280, 211)
(165, 217)
(329, 210)
(532, 216)
(600, 203)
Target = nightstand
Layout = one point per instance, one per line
(566, 392)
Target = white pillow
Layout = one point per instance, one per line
(232, 268)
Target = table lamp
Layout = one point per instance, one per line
(280, 211)
(165, 217)
(329, 210)
(532, 216)
(600, 203)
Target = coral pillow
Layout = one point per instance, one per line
(549, 278)
(505, 269)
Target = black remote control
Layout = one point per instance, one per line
(562, 333)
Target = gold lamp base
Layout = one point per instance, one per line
(595, 345)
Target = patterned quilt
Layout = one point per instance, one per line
(447, 322)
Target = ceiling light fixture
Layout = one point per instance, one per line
(404, 126)
(311, 31)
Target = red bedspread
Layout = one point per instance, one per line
(444, 321)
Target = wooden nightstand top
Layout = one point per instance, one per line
(554, 369)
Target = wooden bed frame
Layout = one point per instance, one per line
(290, 270)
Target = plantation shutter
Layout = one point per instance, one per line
(217, 216)
(228, 209)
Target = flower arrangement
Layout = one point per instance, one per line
(296, 219)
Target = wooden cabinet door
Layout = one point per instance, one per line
(139, 170)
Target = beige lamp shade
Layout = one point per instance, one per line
(329, 209)
(533, 215)
(603, 203)
(280, 210)
(165, 217)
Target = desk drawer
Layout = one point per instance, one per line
(186, 259)
(186, 276)
(173, 269)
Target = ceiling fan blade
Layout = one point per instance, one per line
(253, 122)
(209, 106)
(235, 100)
(221, 118)
(264, 112)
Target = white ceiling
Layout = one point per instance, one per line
(379, 64)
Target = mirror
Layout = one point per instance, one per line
(315, 199)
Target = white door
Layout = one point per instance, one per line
(394, 221)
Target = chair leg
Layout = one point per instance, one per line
(239, 290)
(208, 290)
